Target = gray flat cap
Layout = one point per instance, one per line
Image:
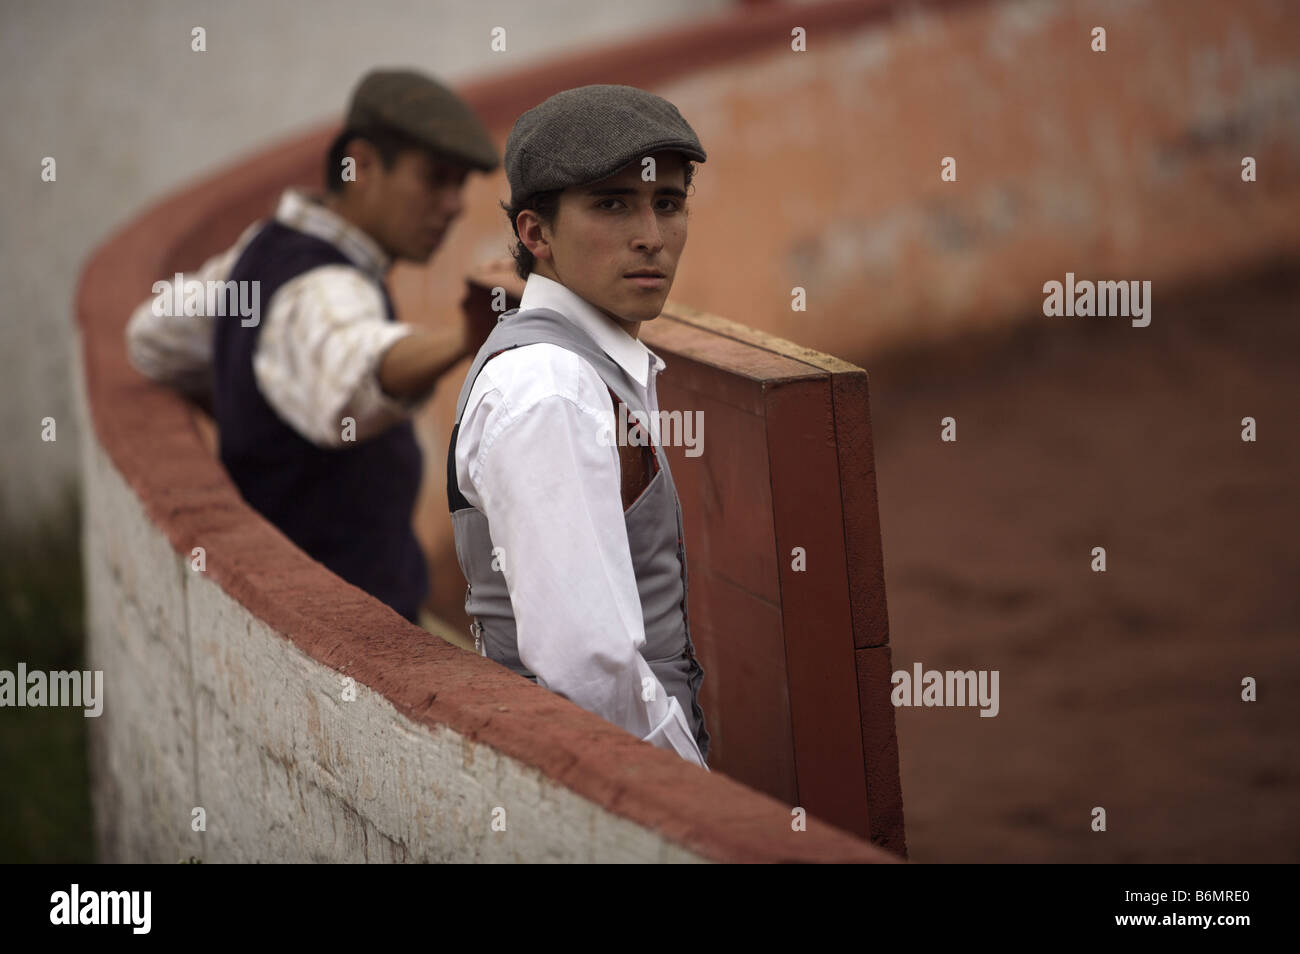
(427, 111)
(585, 134)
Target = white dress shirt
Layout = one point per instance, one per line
(324, 334)
(529, 457)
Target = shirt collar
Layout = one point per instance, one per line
(300, 211)
(628, 352)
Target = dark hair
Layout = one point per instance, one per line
(389, 143)
(546, 205)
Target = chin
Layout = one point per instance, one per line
(636, 315)
(643, 309)
(419, 252)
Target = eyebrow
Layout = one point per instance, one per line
(663, 190)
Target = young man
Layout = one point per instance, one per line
(569, 534)
(313, 396)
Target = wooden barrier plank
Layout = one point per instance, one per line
(815, 602)
(864, 562)
(740, 643)
(861, 513)
(880, 749)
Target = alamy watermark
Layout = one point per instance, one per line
(1124, 299)
(673, 429)
(131, 908)
(213, 299)
(933, 687)
(61, 688)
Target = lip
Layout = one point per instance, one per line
(646, 280)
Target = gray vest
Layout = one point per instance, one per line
(654, 531)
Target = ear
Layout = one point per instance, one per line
(535, 234)
(366, 157)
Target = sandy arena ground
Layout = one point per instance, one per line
(1119, 689)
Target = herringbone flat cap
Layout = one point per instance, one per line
(585, 134)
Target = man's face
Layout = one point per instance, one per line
(409, 208)
(616, 242)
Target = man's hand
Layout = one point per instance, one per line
(482, 293)
(477, 324)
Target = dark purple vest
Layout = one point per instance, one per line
(349, 508)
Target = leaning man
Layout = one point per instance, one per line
(313, 397)
(569, 533)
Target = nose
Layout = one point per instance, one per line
(452, 202)
(648, 237)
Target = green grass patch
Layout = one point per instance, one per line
(45, 813)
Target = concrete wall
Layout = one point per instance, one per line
(824, 166)
(209, 704)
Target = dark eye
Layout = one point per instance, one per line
(602, 203)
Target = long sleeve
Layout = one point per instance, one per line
(530, 457)
(321, 340)
(318, 356)
(176, 350)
